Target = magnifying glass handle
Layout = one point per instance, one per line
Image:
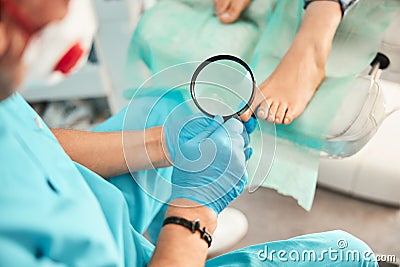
(236, 116)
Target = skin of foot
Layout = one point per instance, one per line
(290, 88)
(284, 95)
(228, 11)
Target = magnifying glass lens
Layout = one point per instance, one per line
(223, 87)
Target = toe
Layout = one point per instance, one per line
(234, 11)
(280, 113)
(262, 111)
(272, 111)
(289, 116)
(221, 6)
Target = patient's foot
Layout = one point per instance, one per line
(229, 11)
(291, 86)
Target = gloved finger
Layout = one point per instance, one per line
(245, 178)
(231, 131)
(242, 182)
(251, 124)
(246, 138)
(234, 126)
(214, 124)
(248, 152)
(193, 125)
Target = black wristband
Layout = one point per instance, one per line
(193, 226)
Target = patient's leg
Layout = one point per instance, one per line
(293, 83)
(229, 11)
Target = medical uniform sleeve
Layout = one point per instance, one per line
(14, 254)
(344, 4)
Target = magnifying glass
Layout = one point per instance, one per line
(223, 85)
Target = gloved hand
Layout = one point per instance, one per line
(251, 124)
(210, 168)
(178, 132)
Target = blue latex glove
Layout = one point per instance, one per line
(251, 124)
(210, 168)
(178, 132)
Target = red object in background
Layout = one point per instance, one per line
(70, 59)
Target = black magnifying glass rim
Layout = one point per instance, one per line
(211, 60)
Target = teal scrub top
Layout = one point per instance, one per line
(54, 212)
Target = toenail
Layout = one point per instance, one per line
(261, 113)
(225, 15)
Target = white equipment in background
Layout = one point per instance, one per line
(374, 172)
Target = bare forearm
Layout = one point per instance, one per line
(177, 246)
(103, 153)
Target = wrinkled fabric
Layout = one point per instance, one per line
(55, 212)
(178, 31)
